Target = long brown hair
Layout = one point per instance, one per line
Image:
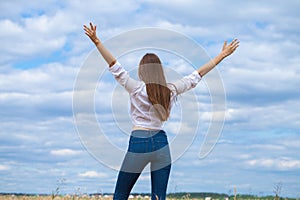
(151, 72)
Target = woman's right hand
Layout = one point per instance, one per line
(91, 32)
(230, 48)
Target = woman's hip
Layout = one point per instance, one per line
(145, 141)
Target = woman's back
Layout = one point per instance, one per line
(142, 111)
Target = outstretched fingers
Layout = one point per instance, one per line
(87, 30)
(93, 28)
(90, 31)
(234, 44)
(224, 45)
(228, 49)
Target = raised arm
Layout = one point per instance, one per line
(226, 51)
(91, 32)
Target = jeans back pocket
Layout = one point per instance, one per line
(138, 145)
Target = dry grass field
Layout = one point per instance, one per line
(11, 197)
(138, 197)
(67, 197)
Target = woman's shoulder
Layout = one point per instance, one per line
(139, 87)
(172, 87)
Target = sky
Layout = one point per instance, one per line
(44, 48)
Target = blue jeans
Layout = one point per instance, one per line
(145, 147)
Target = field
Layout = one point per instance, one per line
(109, 197)
(26, 197)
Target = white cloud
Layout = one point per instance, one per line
(92, 174)
(52, 77)
(279, 163)
(65, 152)
(26, 35)
(4, 167)
(27, 41)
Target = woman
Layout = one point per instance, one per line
(151, 100)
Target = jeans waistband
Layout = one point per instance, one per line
(146, 133)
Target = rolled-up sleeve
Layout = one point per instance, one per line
(123, 78)
(187, 82)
